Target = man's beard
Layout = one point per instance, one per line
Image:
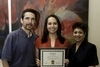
(29, 27)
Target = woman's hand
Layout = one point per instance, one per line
(38, 62)
(67, 62)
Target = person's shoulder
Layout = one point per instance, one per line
(38, 38)
(38, 42)
(91, 45)
(35, 35)
(13, 33)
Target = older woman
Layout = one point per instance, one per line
(82, 53)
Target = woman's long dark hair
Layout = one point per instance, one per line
(46, 33)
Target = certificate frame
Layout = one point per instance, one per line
(52, 57)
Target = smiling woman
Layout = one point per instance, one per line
(82, 53)
(52, 37)
(52, 25)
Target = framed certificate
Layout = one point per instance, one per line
(52, 57)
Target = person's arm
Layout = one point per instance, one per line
(5, 63)
(7, 51)
(37, 52)
(92, 57)
(37, 57)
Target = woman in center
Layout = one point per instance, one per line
(52, 36)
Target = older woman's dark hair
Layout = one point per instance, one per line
(81, 25)
(37, 15)
(46, 32)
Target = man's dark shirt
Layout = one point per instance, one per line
(19, 49)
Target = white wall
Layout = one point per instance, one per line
(94, 24)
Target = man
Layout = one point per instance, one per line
(19, 47)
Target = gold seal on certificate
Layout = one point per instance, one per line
(52, 61)
(52, 57)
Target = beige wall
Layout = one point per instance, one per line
(94, 24)
(1, 64)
